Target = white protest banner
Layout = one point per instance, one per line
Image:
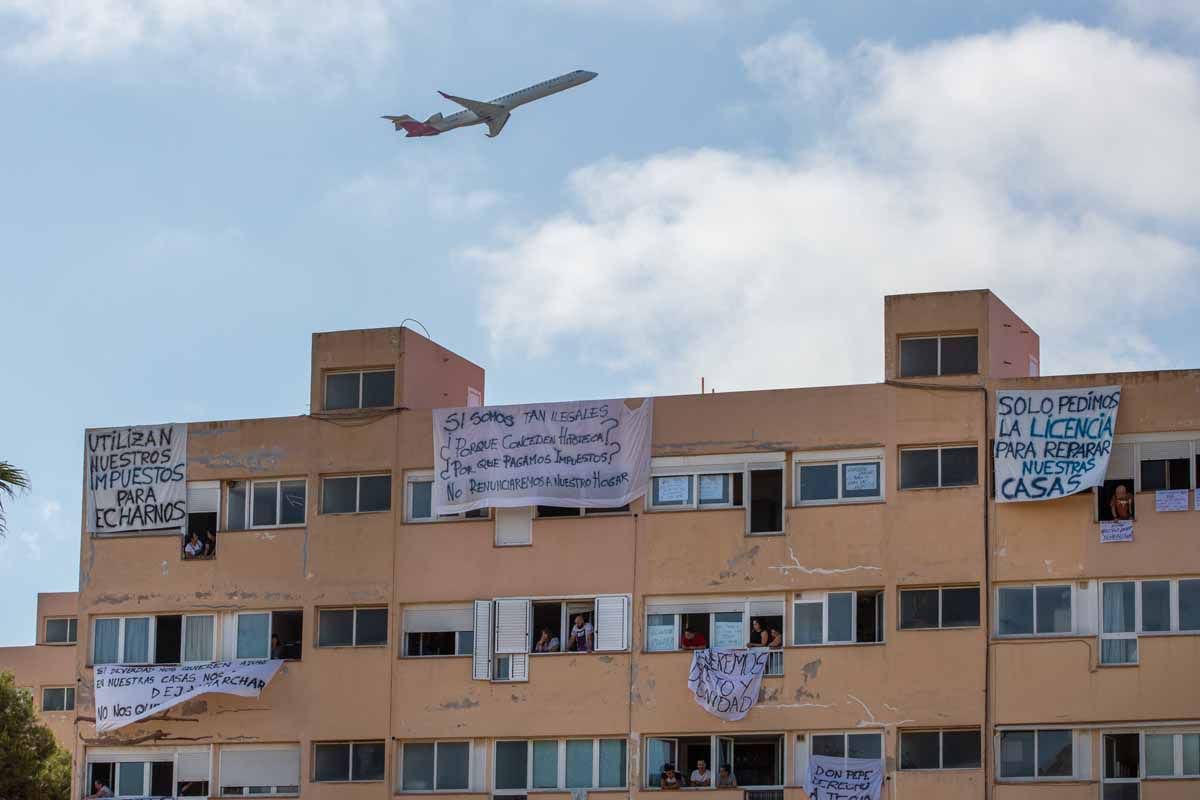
(836, 778)
(588, 454)
(1052, 442)
(1171, 500)
(726, 682)
(136, 478)
(128, 694)
(1117, 530)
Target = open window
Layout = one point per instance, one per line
(270, 634)
(691, 624)
(438, 631)
(564, 626)
(161, 639)
(716, 761)
(506, 631)
(128, 772)
(1115, 497)
(203, 505)
(851, 617)
(701, 483)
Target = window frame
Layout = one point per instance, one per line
(405, 633)
(940, 589)
(584, 512)
(360, 373)
(747, 620)
(152, 633)
(72, 624)
(839, 458)
(939, 448)
(1177, 757)
(811, 736)
(790, 635)
(561, 765)
(1139, 631)
(1035, 778)
(270, 612)
(471, 748)
(941, 749)
(426, 476)
(353, 629)
(65, 690)
(1076, 625)
(358, 476)
(938, 337)
(744, 464)
(248, 509)
(350, 744)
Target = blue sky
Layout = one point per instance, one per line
(191, 189)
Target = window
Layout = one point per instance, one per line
(356, 493)
(562, 626)
(61, 630)
(545, 512)
(948, 749)
(260, 770)
(348, 761)
(847, 745)
(164, 639)
(1164, 465)
(1122, 766)
(683, 624)
(58, 699)
(203, 505)
(435, 766)
(150, 775)
(352, 627)
(1133, 608)
(838, 617)
(559, 764)
(1036, 754)
(754, 483)
(1035, 610)
(939, 467)
(753, 760)
(418, 502)
(939, 355)
(841, 477)
(438, 631)
(504, 631)
(265, 504)
(947, 607)
(368, 389)
(1174, 755)
(269, 634)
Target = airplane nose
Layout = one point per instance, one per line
(587, 76)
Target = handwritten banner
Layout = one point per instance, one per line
(1052, 442)
(1117, 530)
(136, 478)
(726, 682)
(581, 455)
(128, 694)
(835, 778)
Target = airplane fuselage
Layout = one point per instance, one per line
(502, 105)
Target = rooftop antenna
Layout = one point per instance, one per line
(412, 319)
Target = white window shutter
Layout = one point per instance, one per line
(512, 626)
(514, 526)
(1120, 462)
(1086, 611)
(203, 497)
(518, 667)
(612, 622)
(481, 659)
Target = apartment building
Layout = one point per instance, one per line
(982, 649)
(45, 670)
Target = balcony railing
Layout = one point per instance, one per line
(774, 669)
(764, 794)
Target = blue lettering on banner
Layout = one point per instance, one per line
(1052, 442)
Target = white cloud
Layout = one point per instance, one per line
(672, 10)
(446, 188)
(257, 42)
(1173, 13)
(1011, 161)
(795, 62)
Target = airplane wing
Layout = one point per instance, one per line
(481, 110)
(496, 124)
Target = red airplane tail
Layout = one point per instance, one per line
(412, 126)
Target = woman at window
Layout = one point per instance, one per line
(669, 779)
(758, 635)
(776, 640)
(546, 643)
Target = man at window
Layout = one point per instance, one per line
(580, 640)
(725, 779)
(758, 635)
(277, 648)
(99, 790)
(693, 640)
(700, 775)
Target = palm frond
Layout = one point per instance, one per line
(12, 480)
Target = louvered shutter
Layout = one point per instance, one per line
(514, 526)
(435, 620)
(481, 658)
(612, 622)
(193, 765)
(203, 497)
(260, 766)
(512, 626)
(518, 667)
(1120, 462)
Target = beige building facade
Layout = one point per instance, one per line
(46, 670)
(982, 649)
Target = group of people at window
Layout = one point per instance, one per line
(580, 639)
(763, 633)
(671, 778)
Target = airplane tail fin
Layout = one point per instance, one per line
(412, 127)
(434, 118)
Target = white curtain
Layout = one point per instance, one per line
(198, 639)
(104, 649)
(137, 640)
(1119, 618)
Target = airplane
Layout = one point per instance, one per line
(493, 113)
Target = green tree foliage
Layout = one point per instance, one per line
(34, 766)
(11, 479)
